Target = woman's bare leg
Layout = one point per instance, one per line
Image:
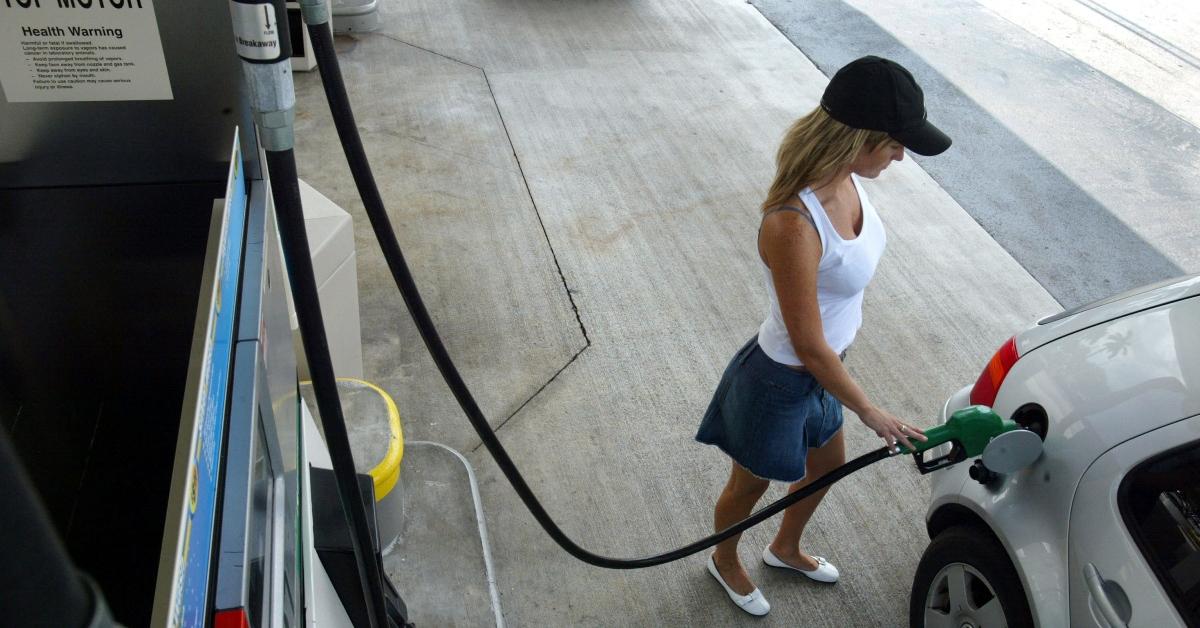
(821, 460)
(737, 499)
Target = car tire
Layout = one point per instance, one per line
(988, 576)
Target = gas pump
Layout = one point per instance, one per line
(158, 465)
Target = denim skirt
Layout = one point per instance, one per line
(765, 415)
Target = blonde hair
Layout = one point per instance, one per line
(814, 148)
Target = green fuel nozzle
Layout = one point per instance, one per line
(968, 431)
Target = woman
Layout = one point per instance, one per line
(778, 409)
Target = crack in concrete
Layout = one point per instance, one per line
(533, 203)
(587, 341)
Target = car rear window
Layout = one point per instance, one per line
(1160, 502)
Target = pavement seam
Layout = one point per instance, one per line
(536, 212)
(533, 396)
(587, 341)
(432, 52)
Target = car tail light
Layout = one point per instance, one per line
(988, 384)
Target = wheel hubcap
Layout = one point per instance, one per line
(961, 597)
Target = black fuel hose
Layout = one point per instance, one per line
(285, 192)
(343, 118)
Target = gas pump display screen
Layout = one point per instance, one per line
(188, 536)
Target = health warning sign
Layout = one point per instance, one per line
(81, 50)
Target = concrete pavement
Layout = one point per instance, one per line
(576, 187)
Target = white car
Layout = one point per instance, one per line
(1103, 529)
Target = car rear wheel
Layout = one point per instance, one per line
(965, 580)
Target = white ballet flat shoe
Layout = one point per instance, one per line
(755, 603)
(825, 572)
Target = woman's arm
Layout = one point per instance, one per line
(791, 248)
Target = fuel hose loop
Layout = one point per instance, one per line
(343, 117)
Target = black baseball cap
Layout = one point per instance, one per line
(880, 95)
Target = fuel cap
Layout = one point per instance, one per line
(1012, 451)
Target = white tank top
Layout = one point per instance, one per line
(845, 269)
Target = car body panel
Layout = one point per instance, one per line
(1036, 559)
(1110, 382)
(1109, 548)
(1034, 538)
(1063, 324)
(1102, 385)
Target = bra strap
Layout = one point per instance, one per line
(803, 211)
